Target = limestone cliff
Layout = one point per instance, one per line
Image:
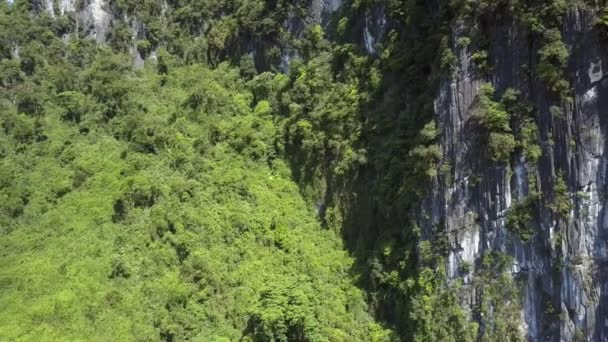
(562, 267)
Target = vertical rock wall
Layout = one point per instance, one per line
(94, 18)
(564, 264)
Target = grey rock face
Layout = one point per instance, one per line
(319, 13)
(94, 18)
(373, 31)
(65, 6)
(321, 9)
(565, 264)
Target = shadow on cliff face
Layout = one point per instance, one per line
(376, 203)
(371, 206)
(377, 230)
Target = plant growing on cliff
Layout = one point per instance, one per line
(494, 122)
(490, 114)
(448, 58)
(529, 141)
(464, 267)
(523, 121)
(323, 118)
(500, 299)
(436, 312)
(480, 58)
(553, 59)
(501, 146)
(561, 201)
(426, 155)
(579, 336)
(520, 217)
(602, 24)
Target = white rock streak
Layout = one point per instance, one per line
(100, 18)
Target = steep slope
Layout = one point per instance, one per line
(456, 147)
(500, 181)
(154, 205)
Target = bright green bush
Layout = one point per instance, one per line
(521, 217)
(553, 59)
(494, 125)
(560, 204)
(501, 146)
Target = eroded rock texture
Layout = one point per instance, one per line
(562, 268)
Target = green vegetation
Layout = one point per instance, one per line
(602, 24)
(206, 31)
(506, 125)
(209, 197)
(529, 140)
(541, 19)
(426, 154)
(436, 309)
(494, 122)
(520, 217)
(156, 204)
(501, 301)
(553, 59)
(162, 212)
(579, 336)
(480, 58)
(522, 120)
(560, 205)
(448, 58)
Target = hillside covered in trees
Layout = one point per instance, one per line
(324, 170)
(157, 203)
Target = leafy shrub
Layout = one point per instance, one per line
(602, 24)
(561, 202)
(284, 314)
(426, 154)
(520, 217)
(480, 58)
(76, 105)
(529, 141)
(501, 146)
(490, 114)
(144, 46)
(553, 59)
(448, 58)
(494, 125)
